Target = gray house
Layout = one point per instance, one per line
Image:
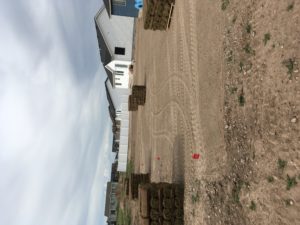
(115, 40)
(114, 176)
(121, 8)
(111, 203)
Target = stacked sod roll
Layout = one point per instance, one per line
(157, 14)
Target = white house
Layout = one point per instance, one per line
(118, 101)
(120, 71)
(115, 39)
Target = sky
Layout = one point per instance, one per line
(55, 135)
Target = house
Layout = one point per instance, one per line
(123, 144)
(121, 8)
(116, 123)
(111, 203)
(114, 176)
(115, 145)
(119, 114)
(115, 40)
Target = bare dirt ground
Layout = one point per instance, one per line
(223, 82)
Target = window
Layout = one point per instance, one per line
(119, 72)
(119, 2)
(119, 51)
(118, 84)
(121, 65)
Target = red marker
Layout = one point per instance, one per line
(195, 156)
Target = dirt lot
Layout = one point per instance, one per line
(223, 82)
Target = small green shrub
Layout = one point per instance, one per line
(225, 4)
(290, 7)
(290, 182)
(288, 202)
(248, 28)
(252, 206)
(241, 65)
(230, 56)
(123, 216)
(242, 99)
(281, 164)
(267, 37)
(248, 49)
(289, 64)
(129, 169)
(233, 90)
(236, 190)
(270, 179)
(234, 19)
(247, 184)
(195, 198)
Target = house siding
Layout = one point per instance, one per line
(120, 70)
(117, 32)
(104, 52)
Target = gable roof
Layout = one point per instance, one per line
(105, 54)
(107, 4)
(111, 107)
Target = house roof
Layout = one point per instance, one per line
(107, 4)
(107, 200)
(105, 54)
(111, 107)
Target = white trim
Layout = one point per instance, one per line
(109, 68)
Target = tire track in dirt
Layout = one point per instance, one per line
(142, 151)
(173, 76)
(169, 67)
(194, 69)
(178, 106)
(160, 172)
(183, 141)
(175, 104)
(168, 81)
(173, 36)
(178, 152)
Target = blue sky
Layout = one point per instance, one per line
(55, 135)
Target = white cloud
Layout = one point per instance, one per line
(97, 199)
(54, 132)
(51, 151)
